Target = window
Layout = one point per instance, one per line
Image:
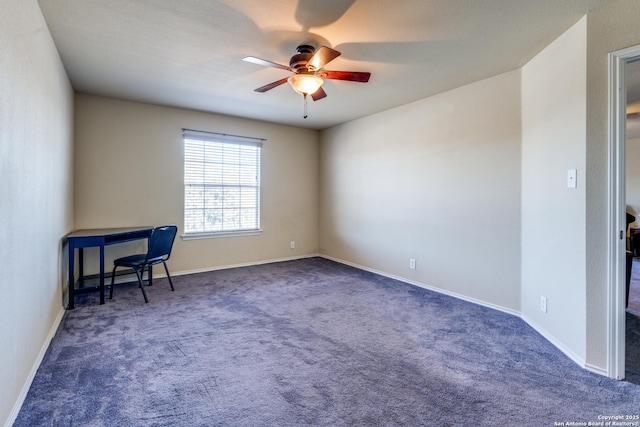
(221, 184)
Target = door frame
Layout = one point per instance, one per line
(617, 210)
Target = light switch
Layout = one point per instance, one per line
(571, 178)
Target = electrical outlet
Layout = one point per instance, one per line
(412, 264)
(543, 304)
(293, 244)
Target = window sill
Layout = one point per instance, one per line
(219, 234)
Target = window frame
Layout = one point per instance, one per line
(215, 168)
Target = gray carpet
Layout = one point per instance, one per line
(632, 360)
(634, 289)
(307, 342)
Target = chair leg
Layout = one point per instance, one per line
(113, 277)
(141, 285)
(168, 276)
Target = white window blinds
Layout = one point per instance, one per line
(221, 183)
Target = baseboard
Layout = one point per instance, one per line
(244, 264)
(564, 349)
(596, 370)
(161, 273)
(425, 286)
(34, 369)
(568, 352)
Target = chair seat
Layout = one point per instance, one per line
(130, 261)
(136, 261)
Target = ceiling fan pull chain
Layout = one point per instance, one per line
(305, 105)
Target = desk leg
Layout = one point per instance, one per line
(81, 267)
(72, 294)
(101, 274)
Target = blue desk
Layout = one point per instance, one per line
(102, 237)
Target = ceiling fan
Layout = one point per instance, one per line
(307, 65)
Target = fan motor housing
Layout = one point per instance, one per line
(299, 61)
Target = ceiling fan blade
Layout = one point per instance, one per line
(352, 76)
(322, 57)
(271, 85)
(319, 94)
(264, 62)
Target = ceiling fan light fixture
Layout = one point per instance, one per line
(305, 84)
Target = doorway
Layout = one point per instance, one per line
(619, 63)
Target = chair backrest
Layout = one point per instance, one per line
(161, 242)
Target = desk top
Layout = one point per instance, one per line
(99, 232)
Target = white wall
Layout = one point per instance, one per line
(36, 156)
(436, 180)
(609, 29)
(553, 217)
(129, 171)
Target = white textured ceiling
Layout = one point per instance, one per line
(188, 53)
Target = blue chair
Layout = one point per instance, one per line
(158, 251)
